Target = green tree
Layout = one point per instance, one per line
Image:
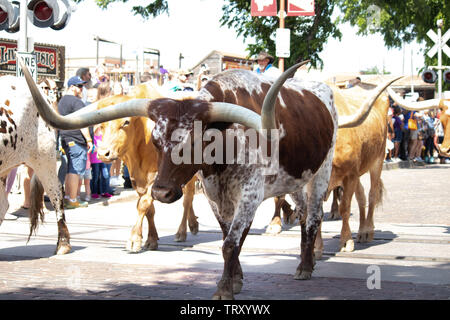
(153, 9)
(398, 21)
(308, 34)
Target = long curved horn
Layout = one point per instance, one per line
(268, 107)
(81, 119)
(361, 115)
(413, 106)
(227, 112)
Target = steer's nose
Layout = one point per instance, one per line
(165, 194)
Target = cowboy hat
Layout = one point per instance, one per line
(264, 55)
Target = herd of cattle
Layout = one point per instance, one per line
(318, 153)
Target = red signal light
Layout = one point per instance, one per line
(3, 16)
(429, 76)
(42, 11)
(447, 76)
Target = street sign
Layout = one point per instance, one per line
(29, 60)
(283, 43)
(300, 8)
(264, 8)
(433, 36)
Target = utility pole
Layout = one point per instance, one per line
(22, 45)
(282, 12)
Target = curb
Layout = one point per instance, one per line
(409, 164)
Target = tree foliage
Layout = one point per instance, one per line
(308, 34)
(153, 9)
(398, 21)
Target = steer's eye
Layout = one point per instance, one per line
(126, 123)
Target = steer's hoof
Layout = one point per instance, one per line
(180, 237)
(151, 245)
(365, 236)
(194, 228)
(303, 275)
(349, 246)
(237, 286)
(334, 215)
(63, 249)
(134, 246)
(273, 229)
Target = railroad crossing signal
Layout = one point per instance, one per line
(433, 36)
(42, 13)
(440, 45)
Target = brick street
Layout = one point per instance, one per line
(410, 248)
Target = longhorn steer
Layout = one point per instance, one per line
(27, 139)
(305, 115)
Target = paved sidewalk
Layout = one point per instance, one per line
(410, 249)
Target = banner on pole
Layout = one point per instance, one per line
(300, 8)
(264, 8)
(283, 43)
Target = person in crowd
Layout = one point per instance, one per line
(101, 75)
(86, 180)
(76, 143)
(265, 65)
(353, 82)
(415, 143)
(86, 76)
(104, 90)
(99, 185)
(430, 133)
(202, 77)
(404, 145)
(126, 178)
(145, 77)
(398, 127)
(390, 137)
(115, 172)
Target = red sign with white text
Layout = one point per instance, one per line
(264, 7)
(300, 8)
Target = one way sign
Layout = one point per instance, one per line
(29, 60)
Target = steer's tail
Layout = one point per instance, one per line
(37, 204)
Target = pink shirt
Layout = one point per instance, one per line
(93, 155)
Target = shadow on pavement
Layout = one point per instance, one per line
(32, 252)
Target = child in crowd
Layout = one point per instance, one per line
(99, 185)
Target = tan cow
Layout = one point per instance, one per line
(360, 150)
(129, 139)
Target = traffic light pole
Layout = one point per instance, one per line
(22, 44)
(439, 33)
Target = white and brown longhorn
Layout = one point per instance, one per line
(305, 113)
(27, 139)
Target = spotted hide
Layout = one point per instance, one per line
(305, 114)
(301, 113)
(27, 139)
